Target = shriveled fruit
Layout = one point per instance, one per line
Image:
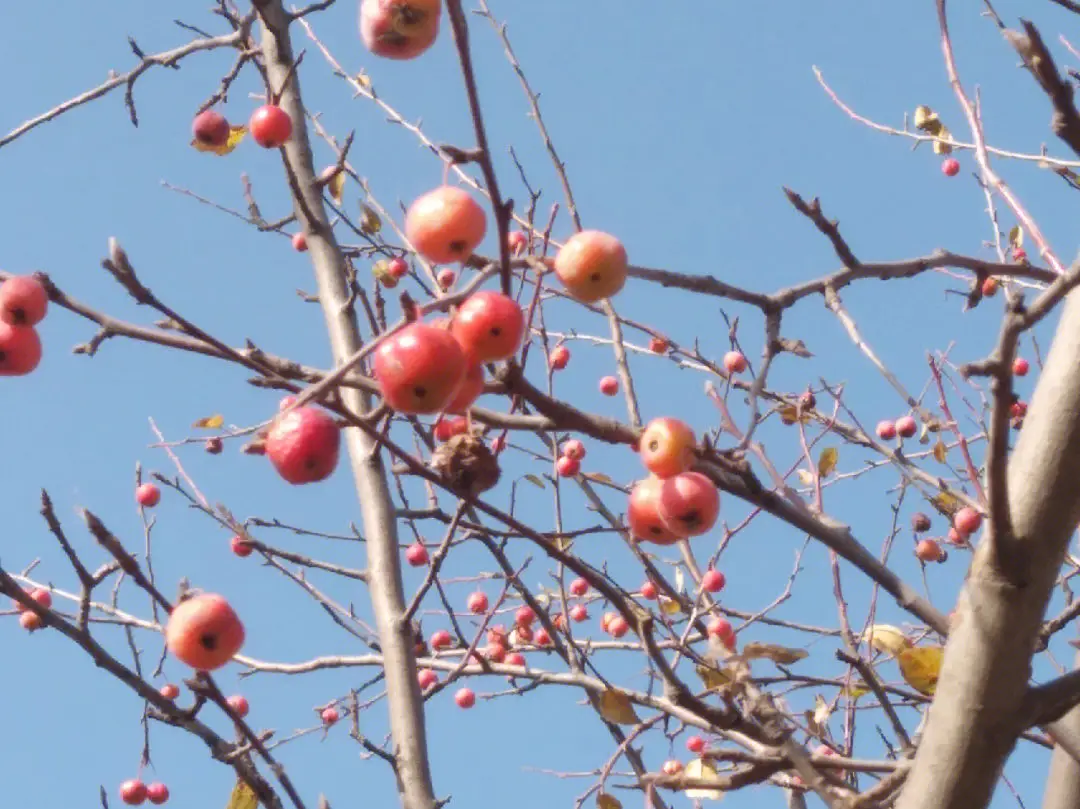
(445, 225)
(419, 369)
(204, 632)
(592, 265)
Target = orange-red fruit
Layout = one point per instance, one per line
(517, 242)
(399, 29)
(20, 349)
(689, 504)
(928, 550)
(299, 242)
(735, 362)
(667, 447)
(133, 792)
(609, 386)
(567, 467)
(148, 495)
(524, 616)
(489, 326)
(592, 265)
(643, 513)
(990, 287)
(23, 301)
(658, 345)
(210, 128)
(419, 369)
(950, 166)
(445, 225)
(204, 632)
(416, 554)
(30, 621)
(1020, 365)
(574, 449)
(559, 357)
(238, 704)
(270, 126)
(477, 603)
(169, 691)
(304, 445)
(967, 521)
(469, 391)
(158, 793)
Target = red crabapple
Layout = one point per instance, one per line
(157, 793)
(445, 225)
(398, 267)
(517, 242)
(489, 326)
(20, 349)
(210, 128)
(399, 29)
(426, 678)
(735, 362)
(559, 357)
(304, 445)
(465, 698)
(713, 581)
(609, 386)
(906, 426)
(477, 603)
(689, 504)
(133, 792)
(950, 167)
(441, 639)
(592, 265)
(967, 521)
(299, 242)
(419, 369)
(524, 616)
(579, 613)
(445, 278)
(649, 591)
(148, 495)
(1020, 366)
(618, 626)
(31, 621)
(658, 345)
(42, 596)
(928, 550)
(515, 659)
(643, 513)
(695, 744)
(23, 301)
(886, 430)
(579, 587)
(416, 554)
(240, 546)
(330, 715)
(238, 705)
(574, 449)
(169, 691)
(567, 467)
(204, 632)
(270, 126)
(667, 447)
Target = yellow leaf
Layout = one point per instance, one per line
(701, 769)
(336, 185)
(827, 461)
(780, 655)
(789, 414)
(236, 134)
(886, 638)
(616, 708)
(940, 145)
(1016, 236)
(214, 422)
(242, 797)
(605, 801)
(927, 120)
(369, 220)
(669, 606)
(939, 451)
(855, 690)
(363, 80)
(946, 503)
(805, 478)
(920, 667)
(714, 679)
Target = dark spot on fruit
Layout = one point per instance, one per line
(594, 277)
(18, 315)
(496, 331)
(311, 462)
(654, 445)
(419, 391)
(655, 529)
(3, 356)
(457, 246)
(209, 641)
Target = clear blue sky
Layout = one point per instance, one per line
(679, 128)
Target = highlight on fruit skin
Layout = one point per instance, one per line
(592, 265)
(420, 369)
(304, 445)
(399, 29)
(445, 225)
(204, 632)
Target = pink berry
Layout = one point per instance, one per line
(1020, 367)
(618, 626)
(524, 616)
(517, 242)
(559, 357)
(515, 659)
(446, 278)
(567, 467)
(721, 628)
(886, 430)
(239, 705)
(649, 591)
(735, 362)
(169, 691)
(148, 495)
(299, 242)
(574, 449)
(950, 167)
(695, 744)
(157, 793)
(609, 386)
(477, 603)
(43, 597)
(398, 267)
(579, 587)
(441, 639)
(426, 678)
(967, 521)
(465, 698)
(330, 715)
(579, 613)
(240, 546)
(906, 426)
(416, 554)
(713, 581)
(133, 792)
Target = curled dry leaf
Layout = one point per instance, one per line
(780, 655)
(214, 422)
(370, 222)
(616, 708)
(886, 638)
(789, 414)
(701, 769)
(606, 801)
(827, 461)
(927, 120)
(236, 134)
(920, 667)
(242, 797)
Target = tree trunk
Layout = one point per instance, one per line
(972, 724)
(404, 700)
(1063, 780)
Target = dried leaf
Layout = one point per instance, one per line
(598, 477)
(616, 708)
(680, 581)
(535, 481)
(714, 679)
(789, 414)
(605, 801)
(827, 461)
(946, 503)
(939, 451)
(920, 667)
(336, 186)
(242, 797)
(855, 690)
(1016, 236)
(796, 347)
(805, 476)
(669, 606)
(940, 145)
(701, 769)
(236, 134)
(363, 80)
(780, 655)
(821, 711)
(369, 220)
(927, 120)
(886, 638)
(214, 422)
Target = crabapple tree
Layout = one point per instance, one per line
(669, 536)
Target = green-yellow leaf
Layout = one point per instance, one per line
(939, 451)
(827, 461)
(920, 667)
(236, 134)
(714, 679)
(669, 606)
(1016, 236)
(606, 801)
(214, 422)
(336, 184)
(780, 655)
(886, 638)
(535, 481)
(855, 690)
(946, 503)
(703, 770)
(369, 220)
(242, 797)
(616, 708)
(789, 414)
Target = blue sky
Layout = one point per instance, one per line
(678, 129)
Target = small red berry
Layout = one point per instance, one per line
(567, 467)
(330, 715)
(649, 591)
(618, 626)
(515, 659)
(721, 628)
(133, 792)
(658, 345)
(169, 691)
(426, 678)
(1018, 410)
(967, 521)
(398, 267)
(906, 427)
(1021, 366)
(239, 705)
(148, 495)
(304, 445)
(241, 547)
(990, 287)
(713, 581)
(579, 613)
(299, 242)
(574, 449)
(609, 386)
(886, 430)
(695, 744)
(210, 128)
(735, 362)
(270, 126)
(579, 587)
(446, 278)
(416, 554)
(477, 603)
(672, 767)
(524, 616)
(31, 621)
(1019, 254)
(465, 698)
(23, 301)
(157, 793)
(950, 167)
(43, 597)
(559, 357)
(496, 653)
(517, 242)
(542, 637)
(441, 639)
(928, 550)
